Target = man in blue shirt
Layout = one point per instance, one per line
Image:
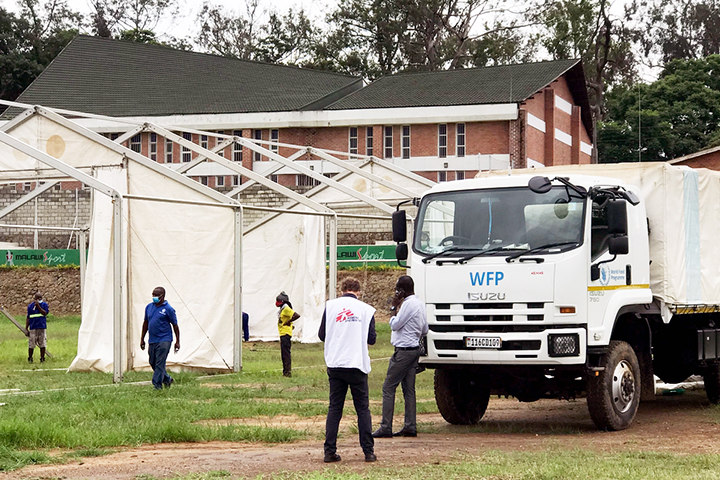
(36, 325)
(160, 321)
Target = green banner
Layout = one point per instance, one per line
(364, 255)
(48, 258)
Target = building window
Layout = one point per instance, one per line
(204, 180)
(460, 140)
(237, 148)
(57, 186)
(442, 141)
(27, 186)
(135, 143)
(388, 142)
(153, 146)
(236, 180)
(459, 175)
(257, 135)
(186, 153)
(220, 140)
(306, 181)
(168, 151)
(204, 141)
(114, 136)
(406, 141)
(442, 176)
(220, 181)
(275, 138)
(369, 141)
(353, 141)
(274, 178)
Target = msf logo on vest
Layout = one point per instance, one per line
(486, 279)
(346, 315)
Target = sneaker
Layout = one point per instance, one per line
(332, 457)
(167, 384)
(370, 457)
(380, 433)
(29, 359)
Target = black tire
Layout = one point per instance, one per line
(711, 378)
(614, 394)
(462, 397)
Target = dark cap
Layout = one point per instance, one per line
(282, 297)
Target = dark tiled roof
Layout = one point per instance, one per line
(473, 86)
(117, 78)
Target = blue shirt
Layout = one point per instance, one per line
(409, 324)
(159, 318)
(37, 319)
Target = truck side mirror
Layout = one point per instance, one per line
(618, 245)
(399, 226)
(617, 217)
(540, 184)
(401, 252)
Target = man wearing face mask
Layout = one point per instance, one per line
(160, 321)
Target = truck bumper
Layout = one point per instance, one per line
(556, 346)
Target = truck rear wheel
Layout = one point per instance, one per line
(711, 377)
(614, 394)
(462, 397)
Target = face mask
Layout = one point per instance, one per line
(156, 299)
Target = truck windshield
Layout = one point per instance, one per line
(495, 221)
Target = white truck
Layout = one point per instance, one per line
(568, 281)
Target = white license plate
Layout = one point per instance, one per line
(483, 342)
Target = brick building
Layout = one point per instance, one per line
(443, 125)
(708, 158)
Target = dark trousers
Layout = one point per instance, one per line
(340, 379)
(158, 353)
(285, 345)
(401, 370)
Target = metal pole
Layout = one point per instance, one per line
(35, 234)
(332, 254)
(117, 289)
(83, 264)
(238, 328)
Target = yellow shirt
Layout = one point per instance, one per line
(285, 326)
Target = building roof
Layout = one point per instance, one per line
(472, 86)
(118, 78)
(693, 156)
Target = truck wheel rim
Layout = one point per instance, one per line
(623, 387)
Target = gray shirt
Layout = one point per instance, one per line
(409, 324)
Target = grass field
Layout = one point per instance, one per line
(84, 414)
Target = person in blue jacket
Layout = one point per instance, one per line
(160, 321)
(36, 325)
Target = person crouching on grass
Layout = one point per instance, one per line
(159, 316)
(286, 317)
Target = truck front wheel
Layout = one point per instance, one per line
(614, 393)
(461, 396)
(711, 378)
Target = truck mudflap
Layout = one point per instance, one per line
(556, 346)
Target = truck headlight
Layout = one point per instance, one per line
(563, 345)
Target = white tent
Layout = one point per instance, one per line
(141, 238)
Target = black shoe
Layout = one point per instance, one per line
(29, 359)
(370, 457)
(405, 433)
(167, 385)
(332, 457)
(288, 375)
(380, 433)
(42, 359)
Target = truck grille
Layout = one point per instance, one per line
(487, 317)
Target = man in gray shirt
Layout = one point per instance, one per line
(408, 326)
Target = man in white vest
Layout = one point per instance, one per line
(347, 328)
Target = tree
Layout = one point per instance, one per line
(677, 115)
(680, 29)
(133, 20)
(31, 40)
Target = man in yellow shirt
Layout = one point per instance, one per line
(286, 317)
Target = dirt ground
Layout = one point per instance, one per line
(678, 424)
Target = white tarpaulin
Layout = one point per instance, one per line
(683, 209)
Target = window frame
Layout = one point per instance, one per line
(152, 146)
(369, 141)
(168, 151)
(460, 138)
(186, 155)
(388, 142)
(442, 140)
(405, 149)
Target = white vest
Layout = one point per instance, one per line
(347, 322)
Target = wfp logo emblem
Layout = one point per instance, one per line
(479, 279)
(604, 274)
(346, 315)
